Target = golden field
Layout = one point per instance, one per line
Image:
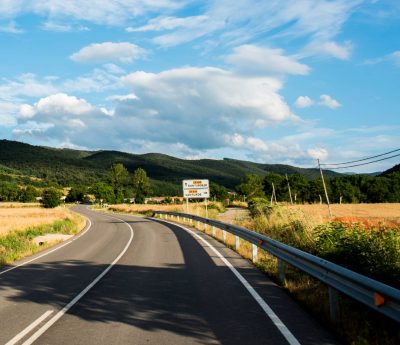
(318, 213)
(18, 216)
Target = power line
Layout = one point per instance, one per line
(357, 165)
(364, 159)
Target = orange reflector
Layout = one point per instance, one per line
(260, 242)
(379, 299)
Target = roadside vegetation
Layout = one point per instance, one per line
(19, 225)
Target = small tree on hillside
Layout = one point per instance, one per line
(251, 186)
(51, 198)
(119, 177)
(141, 185)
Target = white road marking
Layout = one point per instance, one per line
(64, 310)
(28, 329)
(267, 309)
(49, 252)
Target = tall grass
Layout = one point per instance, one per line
(17, 244)
(198, 209)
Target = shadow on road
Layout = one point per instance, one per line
(196, 299)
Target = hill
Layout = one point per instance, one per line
(24, 162)
(394, 169)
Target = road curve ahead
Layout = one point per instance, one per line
(132, 280)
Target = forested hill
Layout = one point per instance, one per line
(36, 164)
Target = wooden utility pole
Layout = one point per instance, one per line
(326, 192)
(290, 192)
(273, 193)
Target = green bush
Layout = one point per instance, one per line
(260, 206)
(372, 252)
(51, 198)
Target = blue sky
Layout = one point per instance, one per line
(268, 81)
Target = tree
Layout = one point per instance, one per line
(51, 198)
(76, 194)
(279, 184)
(141, 185)
(29, 194)
(218, 192)
(251, 186)
(119, 177)
(103, 192)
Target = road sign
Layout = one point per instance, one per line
(196, 193)
(196, 189)
(195, 184)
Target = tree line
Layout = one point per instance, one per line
(346, 189)
(118, 186)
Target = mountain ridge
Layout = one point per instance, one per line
(70, 166)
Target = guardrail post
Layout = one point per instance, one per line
(177, 218)
(281, 271)
(213, 231)
(254, 252)
(191, 221)
(333, 303)
(237, 243)
(224, 235)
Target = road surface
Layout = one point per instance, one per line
(132, 280)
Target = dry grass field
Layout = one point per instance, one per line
(17, 216)
(194, 208)
(316, 213)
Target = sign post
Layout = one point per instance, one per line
(196, 189)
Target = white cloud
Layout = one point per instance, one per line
(31, 129)
(318, 153)
(234, 23)
(11, 28)
(55, 105)
(109, 12)
(303, 102)
(59, 27)
(253, 59)
(113, 69)
(169, 23)
(25, 85)
(330, 48)
(329, 102)
(325, 100)
(123, 52)
(122, 98)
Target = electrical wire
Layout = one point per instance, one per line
(357, 165)
(364, 159)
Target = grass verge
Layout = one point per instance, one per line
(17, 244)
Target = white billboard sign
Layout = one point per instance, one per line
(196, 189)
(196, 193)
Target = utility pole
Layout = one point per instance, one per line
(290, 192)
(326, 192)
(273, 197)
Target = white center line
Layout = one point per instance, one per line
(28, 329)
(64, 310)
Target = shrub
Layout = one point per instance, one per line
(372, 252)
(51, 198)
(260, 206)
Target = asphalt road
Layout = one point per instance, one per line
(132, 280)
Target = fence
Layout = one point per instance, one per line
(376, 295)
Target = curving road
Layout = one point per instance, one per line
(132, 280)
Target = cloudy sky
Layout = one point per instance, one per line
(268, 81)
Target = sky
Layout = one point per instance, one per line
(268, 81)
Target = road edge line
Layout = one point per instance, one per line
(291, 339)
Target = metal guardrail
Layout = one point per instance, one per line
(376, 295)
